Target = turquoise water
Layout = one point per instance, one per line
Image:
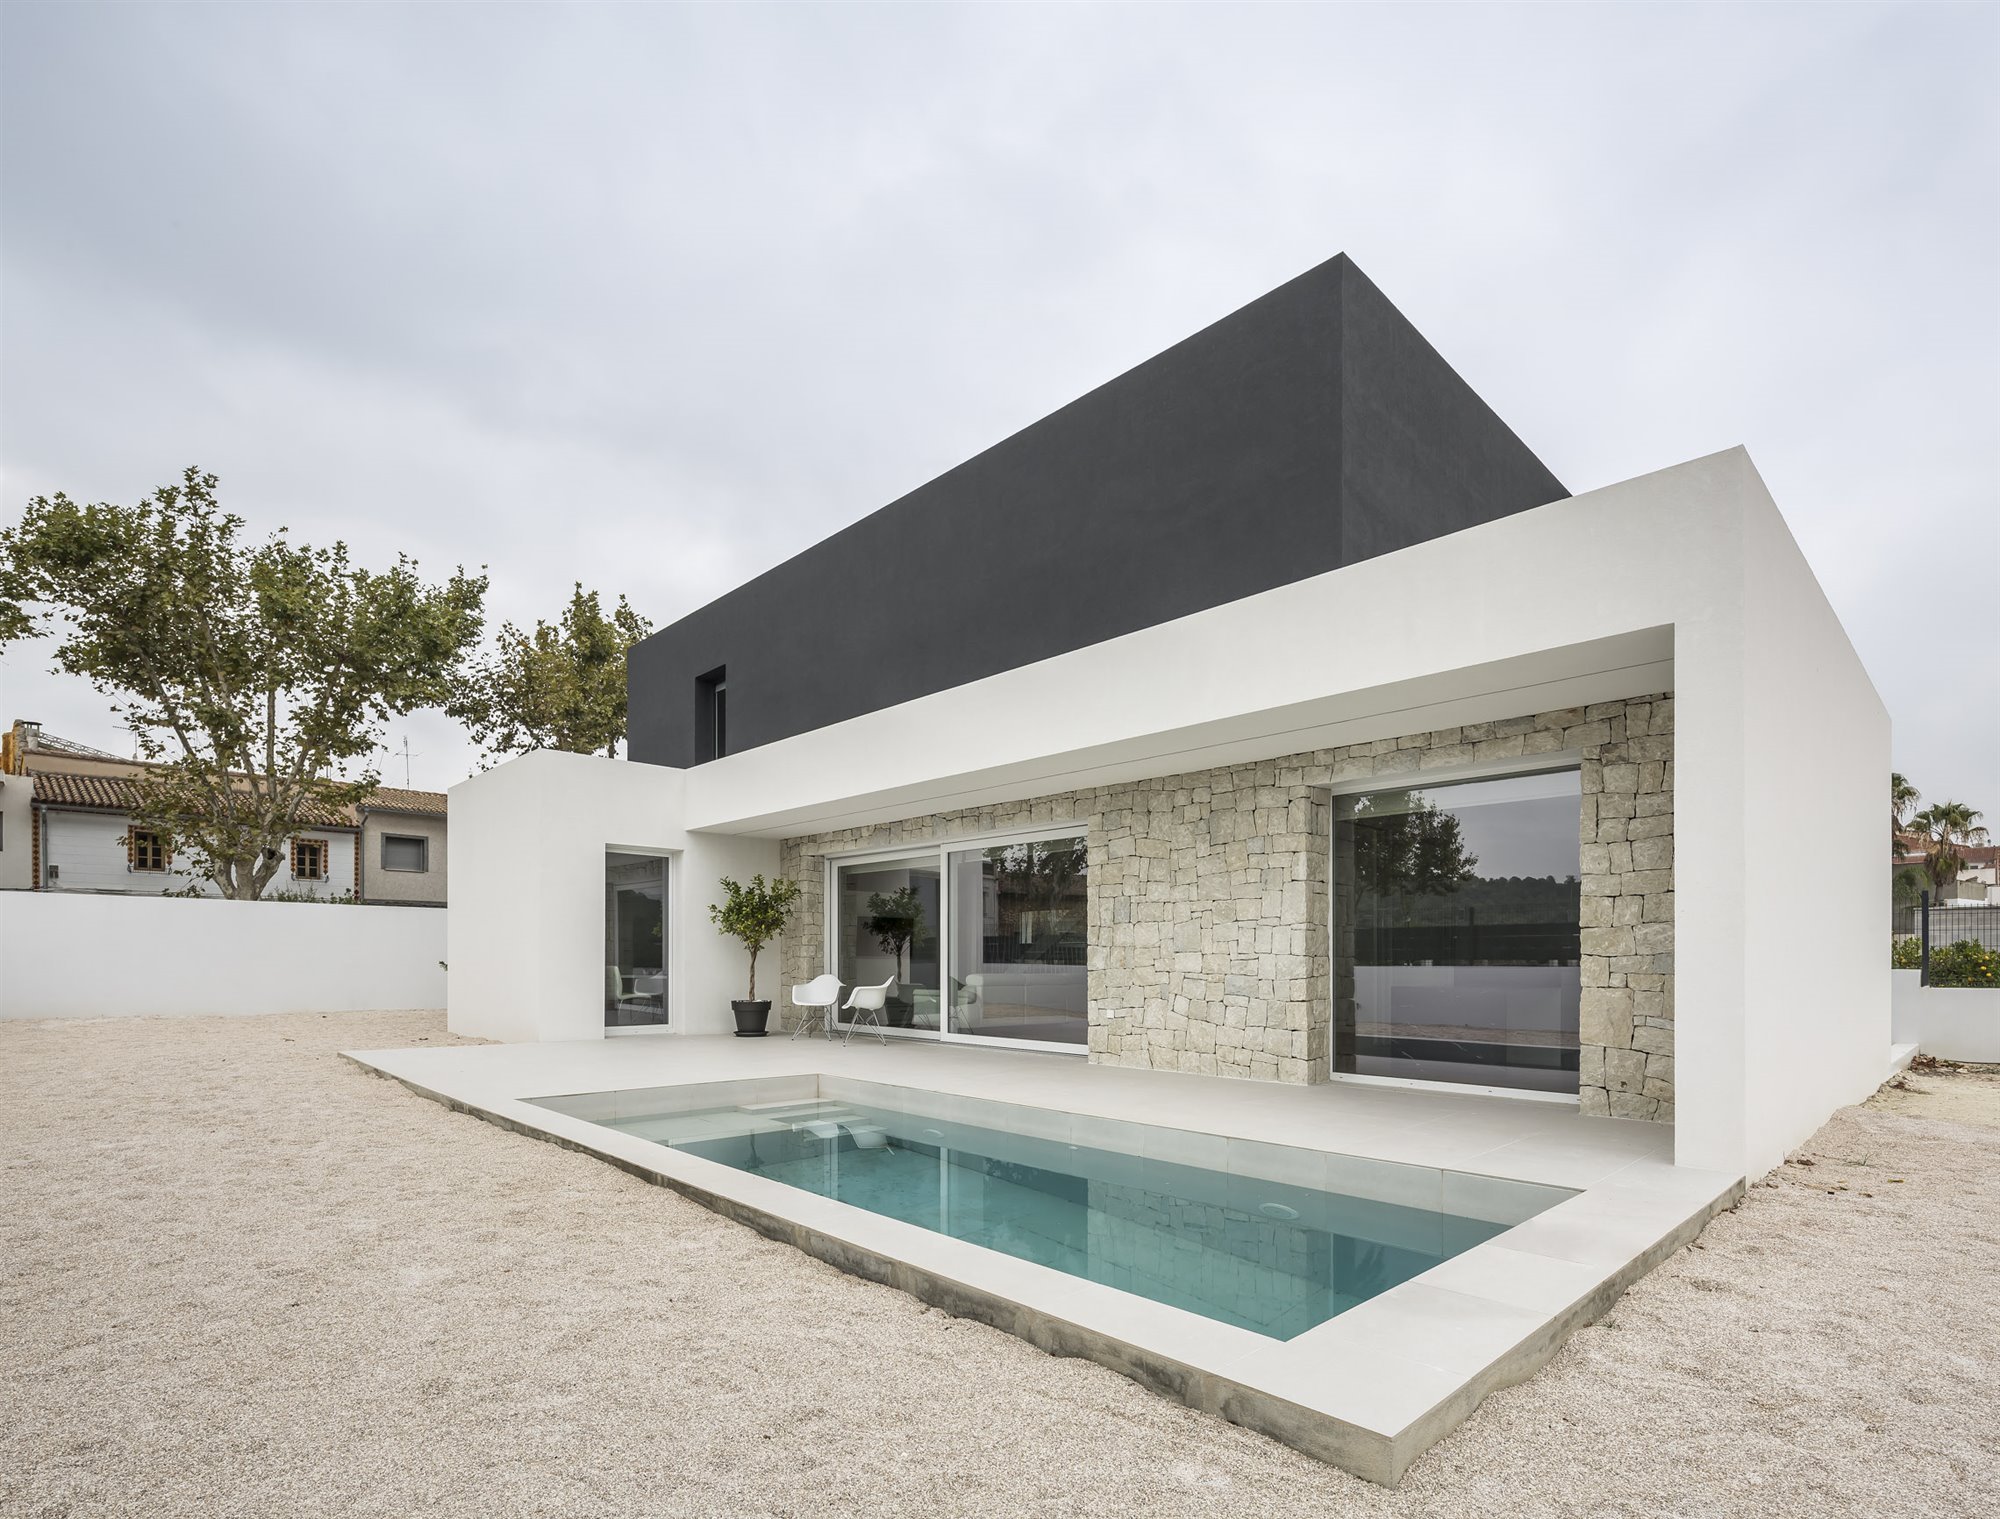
(1266, 1257)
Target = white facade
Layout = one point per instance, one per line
(528, 840)
(85, 850)
(1684, 581)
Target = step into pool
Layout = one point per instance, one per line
(1269, 1256)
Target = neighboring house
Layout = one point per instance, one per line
(1978, 878)
(1270, 712)
(403, 847)
(17, 832)
(76, 833)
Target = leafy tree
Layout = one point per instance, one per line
(756, 914)
(560, 686)
(1907, 886)
(1947, 828)
(895, 920)
(253, 675)
(1405, 845)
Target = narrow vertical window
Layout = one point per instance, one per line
(635, 939)
(711, 715)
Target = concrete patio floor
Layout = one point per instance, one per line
(247, 1279)
(1368, 1390)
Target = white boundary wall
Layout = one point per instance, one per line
(73, 955)
(1950, 1022)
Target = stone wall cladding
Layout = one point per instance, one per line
(1626, 1069)
(1209, 898)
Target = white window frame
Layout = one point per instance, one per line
(942, 846)
(1491, 770)
(669, 868)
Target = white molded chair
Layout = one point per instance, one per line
(815, 1000)
(864, 1004)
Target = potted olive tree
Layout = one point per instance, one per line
(756, 914)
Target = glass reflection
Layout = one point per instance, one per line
(635, 940)
(1456, 932)
(1019, 942)
(885, 925)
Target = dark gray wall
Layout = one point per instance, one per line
(1313, 428)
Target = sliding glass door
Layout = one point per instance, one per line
(1018, 941)
(1456, 932)
(985, 940)
(885, 920)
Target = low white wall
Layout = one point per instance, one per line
(1950, 1022)
(73, 955)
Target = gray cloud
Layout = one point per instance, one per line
(654, 298)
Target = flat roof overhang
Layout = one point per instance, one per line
(1586, 599)
(1604, 669)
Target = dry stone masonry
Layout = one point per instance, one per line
(1210, 948)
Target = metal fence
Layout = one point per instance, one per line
(1933, 926)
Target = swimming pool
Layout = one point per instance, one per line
(1270, 1256)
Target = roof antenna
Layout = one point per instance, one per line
(406, 761)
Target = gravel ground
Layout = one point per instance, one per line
(245, 1278)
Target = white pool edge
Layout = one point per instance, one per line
(1369, 1390)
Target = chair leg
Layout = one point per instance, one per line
(870, 1014)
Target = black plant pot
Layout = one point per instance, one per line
(751, 1018)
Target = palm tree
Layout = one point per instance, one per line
(1902, 797)
(1947, 827)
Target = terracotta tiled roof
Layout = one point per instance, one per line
(120, 793)
(395, 799)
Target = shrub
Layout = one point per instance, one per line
(756, 914)
(1965, 963)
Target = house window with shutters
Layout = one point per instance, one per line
(309, 859)
(146, 851)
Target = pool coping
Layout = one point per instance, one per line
(1368, 1390)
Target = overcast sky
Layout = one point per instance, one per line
(654, 298)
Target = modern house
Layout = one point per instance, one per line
(67, 824)
(1270, 712)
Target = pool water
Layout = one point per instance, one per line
(1261, 1255)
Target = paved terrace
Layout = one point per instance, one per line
(1368, 1390)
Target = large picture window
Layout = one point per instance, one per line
(1017, 941)
(1456, 932)
(983, 939)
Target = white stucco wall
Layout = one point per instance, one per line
(93, 955)
(527, 897)
(1950, 1022)
(1815, 759)
(1684, 580)
(88, 852)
